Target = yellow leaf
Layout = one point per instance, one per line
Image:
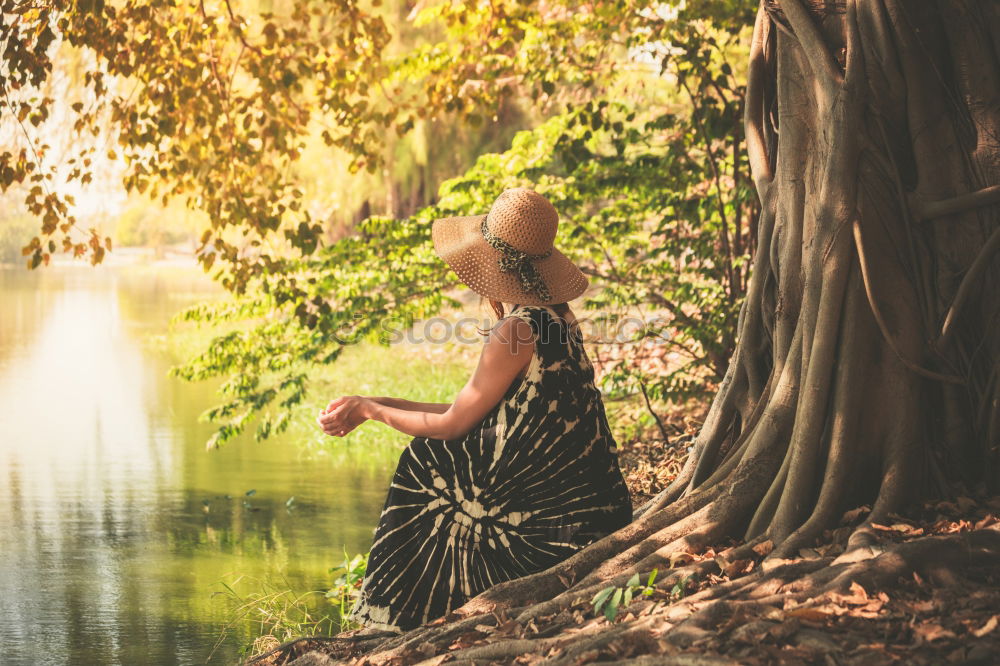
(680, 558)
(990, 625)
(808, 614)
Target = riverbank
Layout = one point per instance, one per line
(120, 529)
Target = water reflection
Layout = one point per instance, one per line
(116, 524)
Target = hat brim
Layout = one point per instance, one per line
(459, 241)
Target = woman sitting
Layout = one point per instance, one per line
(521, 471)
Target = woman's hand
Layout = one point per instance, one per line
(344, 414)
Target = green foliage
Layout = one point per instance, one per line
(642, 155)
(367, 367)
(274, 614)
(347, 586)
(611, 599)
(660, 226)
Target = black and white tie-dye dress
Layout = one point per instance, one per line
(535, 481)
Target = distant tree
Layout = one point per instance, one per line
(14, 233)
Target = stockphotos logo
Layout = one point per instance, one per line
(596, 328)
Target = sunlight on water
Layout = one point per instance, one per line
(75, 414)
(117, 526)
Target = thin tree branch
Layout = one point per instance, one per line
(234, 21)
(674, 309)
(720, 204)
(649, 407)
(38, 160)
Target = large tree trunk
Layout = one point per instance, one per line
(866, 369)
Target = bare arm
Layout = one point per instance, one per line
(506, 353)
(411, 406)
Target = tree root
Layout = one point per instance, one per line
(776, 603)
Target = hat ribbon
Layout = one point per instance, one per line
(515, 261)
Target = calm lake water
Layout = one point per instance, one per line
(116, 526)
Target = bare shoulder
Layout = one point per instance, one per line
(512, 334)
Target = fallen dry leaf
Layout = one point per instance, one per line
(508, 628)
(738, 568)
(680, 558)
(808, 614)
(465, 640)
(900, 528)
(924, 606)
(990, 625)
(931, 631)
(854, 514)
(986, 522)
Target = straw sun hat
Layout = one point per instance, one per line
(507, 254)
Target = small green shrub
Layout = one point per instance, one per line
(347, 587)
(679, 590)
(612, 598)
